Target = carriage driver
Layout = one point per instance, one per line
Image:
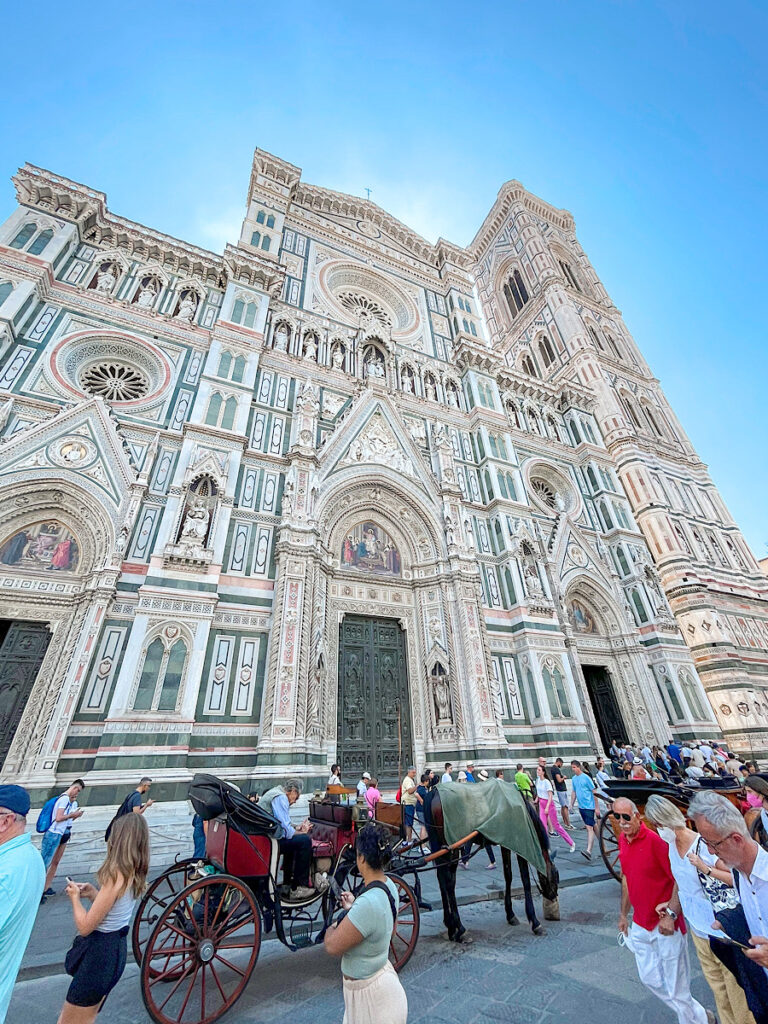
(296, 845)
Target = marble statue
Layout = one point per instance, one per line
(187, 307)
(106, 278)
(147, 294)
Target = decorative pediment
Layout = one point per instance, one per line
(80, 444)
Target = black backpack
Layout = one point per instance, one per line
(124, 808)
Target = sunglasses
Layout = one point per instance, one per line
(621, 817)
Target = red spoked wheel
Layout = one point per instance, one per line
(158, 895)
(201, 952)
(609, 845)
(405, 932)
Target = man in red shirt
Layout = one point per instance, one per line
(657, 933)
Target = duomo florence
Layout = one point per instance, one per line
(341, 494)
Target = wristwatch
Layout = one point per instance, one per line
(671, 913)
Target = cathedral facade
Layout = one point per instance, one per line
(340, 493)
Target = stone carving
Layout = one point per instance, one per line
(106, 278)
(147, 293)
(337, 358)
(310, 349)
(374, 369)
(195, 525)
(377, 444)
(187, 307)
(441, 693)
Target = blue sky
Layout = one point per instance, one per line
(647, 120)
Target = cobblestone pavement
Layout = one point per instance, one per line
(575, 973)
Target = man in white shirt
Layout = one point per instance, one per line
(646, 754)
(447, 777)
(686, 753)
(65, 811)
(725, 833)
(697, 758)
(707, 753)
(362, 786)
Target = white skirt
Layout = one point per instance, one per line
(380, 999)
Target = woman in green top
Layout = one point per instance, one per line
(372, 991)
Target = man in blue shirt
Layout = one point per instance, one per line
(22, 875)
(295, 846)
(674, 752)
(584, 792)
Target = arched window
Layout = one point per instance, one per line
(494, 446)
(270, 221)
(472, 330)
(161, 676)
(244, 313)
(515, 293)
(238, 370)
(575, 431)
(5, 290)
(546, 351)
(214, 410)
(589, 431)
(691, 691)
(592, 478)
(225, 364)
(511, 486)
(465, 325)
(681, 536)
(606, 516)
(502, 484)
(569, 275)
(23, 236)
(256, 239)
(488, 486)
(652, 420)
(230, 409)
(512, 596)
(734, 551)
(596, 338)
(622, 560)
(669, 697)
(514, 415)
(265, 243)
(40, 242)
(639, 607)
(527, 366)
(456, 325)
(614, 345)
(260, 216)
(630, 406)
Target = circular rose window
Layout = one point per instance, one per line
(551, 489)
(544, 492)
(115, 382)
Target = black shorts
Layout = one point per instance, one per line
(100, 969)
(65, 838)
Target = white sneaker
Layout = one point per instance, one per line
(571, 849)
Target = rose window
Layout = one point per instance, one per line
(362, 306)
(115, 382)
(544, 492)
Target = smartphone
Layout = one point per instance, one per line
(733, 942)
(335, 889)
(71, 880)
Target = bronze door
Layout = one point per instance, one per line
(21, 654)
(610, 721)
(374, 719)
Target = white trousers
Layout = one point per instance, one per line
(379, 999)
(664, 968)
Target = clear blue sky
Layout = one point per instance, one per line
(647, 120)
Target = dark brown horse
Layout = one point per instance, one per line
(448, 863)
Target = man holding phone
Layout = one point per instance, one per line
(658, 943)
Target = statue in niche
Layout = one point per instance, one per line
(430, 390)
(559, 502)
(196, 521)
(288, 497)
(453, 398)
(441, 693)
(106, 278)
(147, 293)
(187, 307)
(337, 359)
(310, 348)
(532, 582)
(408, 381)
(281, 338)
(470, 534)
(374, 368)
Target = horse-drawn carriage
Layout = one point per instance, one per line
(640, 790)
(197, 932)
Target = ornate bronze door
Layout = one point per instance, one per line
(374, 716)
(610, 721)
(21, 654)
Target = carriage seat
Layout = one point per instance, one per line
(322, 848)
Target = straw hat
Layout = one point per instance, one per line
(462, 777)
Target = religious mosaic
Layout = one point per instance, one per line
(370, 548)
(47, 545)
(581, 618)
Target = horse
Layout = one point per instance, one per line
(448, 864)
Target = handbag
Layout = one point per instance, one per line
(722, 896)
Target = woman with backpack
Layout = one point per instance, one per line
(97, 957)
(372, 991)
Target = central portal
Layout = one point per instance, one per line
(610, 721)
(374, 716)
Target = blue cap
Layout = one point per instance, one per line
(15, 799)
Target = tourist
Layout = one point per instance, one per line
(334, 779)
(65, 811)
(685, 755)
(461, 777)
(545, 793)
(97, 957)
(470, 772)
(688, 855)
(499, 774)
(134, 803)
(656, 939)
(447, 777)
(295, 845)
(673, 749)
(523, 781)
(697, 756)
(409, 800)
(583, 792)
(22, 877)
(483, 776)
(646, 754)
(372, 797)
(707, 753)
(561, 792)
(362, 784)
(638, 769)
(418, 816)
(602, 778)
(198, 837)
(372, 990)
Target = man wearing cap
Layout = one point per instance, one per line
(362, 786)
(470, 772)
(409, 798)
(22, 875)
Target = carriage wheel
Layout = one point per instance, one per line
(201, 952)
(609, 845)
(406, 929)
(157, 897)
